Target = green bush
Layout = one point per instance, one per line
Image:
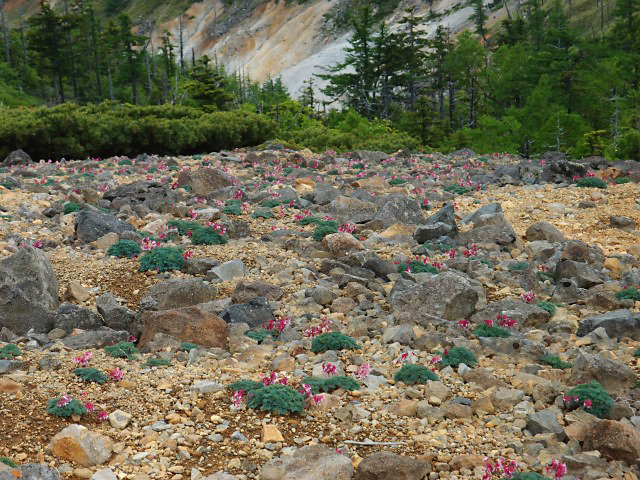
(270, 203)
(124, 249)
(162, 259)
(397, 181)
(260, 334)
(278, 399)
(484, 330)
(9, 351)
(417, 266)
(441, 247)
(555, 362)
(262, 213)
(158, 362)
(183, 226)
(333, 341)
(548, 306)
(207, 236)
(71, 207)
(457, 355)
(8, 462)
(518, 266)
(246, 385)
(330, 384)
(591, 182)
(324, 228)
(622, 180)
(457, 189)
(628, 294)
(528, 476)
(307, 220)
(121, 350)
(637, 353)
(188, 346)
(72, 131)
(235, 209)
(90, 375)
(410, 374)
(601, 400)
(74, 407)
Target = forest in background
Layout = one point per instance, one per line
(535, 83)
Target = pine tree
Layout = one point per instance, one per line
(207, 86)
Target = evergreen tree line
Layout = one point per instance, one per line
(538, 84)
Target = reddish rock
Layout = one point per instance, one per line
(189, 324)
(387, 466)
(615, 440)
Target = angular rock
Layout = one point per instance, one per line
(621, 222)
(119, 419)
(341, 243)
(78, 444)
(255, 313)
(17, 157)
(617, 324)
(544, 231)
(447, 295)
(227, 271)
(70, 316)
(491, 229)
(115, 315)
(28, 290)
(180, 292)
(352, 210)
(402, 334)
(104, 474)
(387, 465)
(546, 421)
(31, 471)
(615, 377)
(76, 293)
(204, 181)
(188, 324)
(95, 339)
(525, 314)
(399, 209)
(615, 441)
(432, 231)
(321, 295)
(583, 274)
(90, 225)
(246, 291)
(316, 462)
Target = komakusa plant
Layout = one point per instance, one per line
(412, 374)
(590, 397)
(90, 375)
(333, 341)
(122, 350)
(457, 355)
(65, 406)
(9, 352)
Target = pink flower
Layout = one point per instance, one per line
(464, 323)
(116, 374)
(64, 400)
(83, 359)
(363, 371)
(588, 404)
(329, 369)
(488, 322)
(102, 415)
(528, 297)
(436, 359)
(283, 322)
(317, 399)
(559, 469)
(89, 406)
(305, 389)
(187, 254)
(133, 338)
(237, 398)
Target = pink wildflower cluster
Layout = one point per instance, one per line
(528, 297)
(574, 401)
(329, 369)
(148, 244)
(464, 323)
(506, 321)
(471, 252)
(363, 371)
(283, 322)
(502, 468)
(273, 378)
(116, 374)
(347, 228)
(323, 327)
(307, 392)
(83, 359)
(64, 400)
(188, 254)
(406, 357)
(559, 469)
(237, 398)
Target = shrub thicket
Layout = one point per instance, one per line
(412, 374)
(162, 259)
(279, 399)
(124, 249)
(333, 341)
(457, 355)
(601, 401)
(74, 131)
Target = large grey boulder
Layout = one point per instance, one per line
(91, 224)
(617, 324)
(399, 209)
(203, 181)
(614, 376)
(95, 338)
(70, 316)
(180, 292)
(544, 231)
(352, 210)
(30, 471)
(387, 465)
(314, 462)
(17, 157)
(448, 295)
(443, 222)
(546, 421)
(255, 313)
(492, 228)
(28, 291)
(488, 209)
(525, 314)
(584, 275)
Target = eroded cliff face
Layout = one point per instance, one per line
(269, 38)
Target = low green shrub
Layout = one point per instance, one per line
(411, 374)
(188, 346)
(309, 219)
(622, 180)
(162, 259)
(416, 266)
(548, 306)
(278, 399)
(333, 341)
(235, 209)
(8, 462)
(554, 361)
(397, 181)
(528, 476)
(71, 207)
(601, 401)
(9, 351)
(183, 226)
(628, 294)
(591, 182)
(330, 384)
(90, 375)
(457, 355)
(270, 203)
(246, 385)
(121, 350)
(60, 408)
(207, 236)
(484, 330)
(158, 362)
(517, 266)
(262, 213)
(124, 249)
(324, 228)
(457, 189)
(260, 334)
